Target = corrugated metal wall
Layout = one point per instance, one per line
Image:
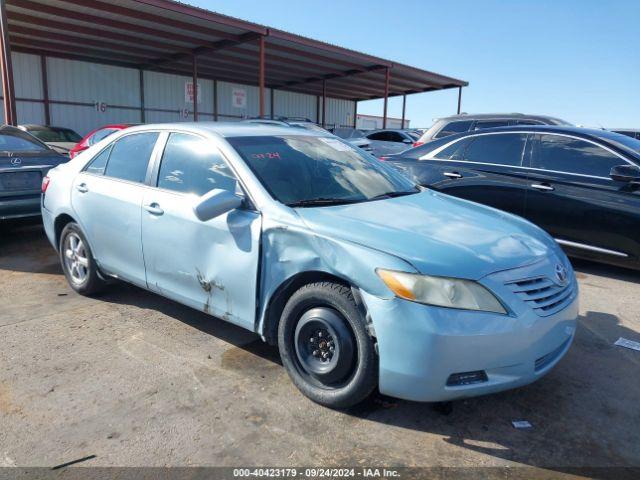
(339, 112)
(226, 109)
(85, 95)
(165, 99)
(77, 90)
(290, 104)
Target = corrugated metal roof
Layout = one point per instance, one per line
(163, 35)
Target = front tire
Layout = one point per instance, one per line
(325, 347)
(77, 261)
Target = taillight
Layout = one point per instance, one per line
(45, 184)
(418, 143)
(383, 158)
(72, 154)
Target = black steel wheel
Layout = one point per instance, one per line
(325, 346)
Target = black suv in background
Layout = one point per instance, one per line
(443, 127)
(581, 185)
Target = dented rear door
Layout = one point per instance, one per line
(211, 266)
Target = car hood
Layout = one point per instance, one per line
(437, 234)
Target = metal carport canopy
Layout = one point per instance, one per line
(172, 37)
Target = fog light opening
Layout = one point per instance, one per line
(466, 378)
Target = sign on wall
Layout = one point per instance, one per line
(239, 98)
(188, 92)
(100, 107)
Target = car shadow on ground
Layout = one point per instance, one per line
(584, 412)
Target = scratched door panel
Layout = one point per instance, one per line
(211, 266)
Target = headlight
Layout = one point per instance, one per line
(441, 291)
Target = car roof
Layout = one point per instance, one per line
(487, 116)
(232, 129)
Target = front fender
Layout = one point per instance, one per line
(290, 250)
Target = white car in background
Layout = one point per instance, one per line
(60, 139)
(388, 141)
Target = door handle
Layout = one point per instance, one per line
(452, 174)
(82, 188)
(542, 186)
(153, 208)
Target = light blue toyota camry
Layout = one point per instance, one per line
(360, 277)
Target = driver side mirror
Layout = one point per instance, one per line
(215, 203)
(625, 173)
(406, 140)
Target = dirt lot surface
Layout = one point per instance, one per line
(138, 380)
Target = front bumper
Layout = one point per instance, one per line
(20, 206)
(420, 347)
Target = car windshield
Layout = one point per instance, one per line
(301, 170)
(17, 141)
(56, 135)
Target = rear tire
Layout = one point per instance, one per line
(325, 347)
(77, 261)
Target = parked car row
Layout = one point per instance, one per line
(361, 271)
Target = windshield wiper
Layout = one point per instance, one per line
(394, 194)
(313, 202)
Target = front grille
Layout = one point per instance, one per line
(543, 295)
(550, 357)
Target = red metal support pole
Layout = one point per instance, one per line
(272, 101)
(6, 66)
(215, 100)
(141, 80)
(459, 99)
(261, 76)
(324, 103)
(386, 97)
(45, 89)
(404, 109)
(195, 87)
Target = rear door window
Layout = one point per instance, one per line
(498, 149)
(192, 164)
(574, 155)
(130, 156)
(99, 162)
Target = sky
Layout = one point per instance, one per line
(573, 59)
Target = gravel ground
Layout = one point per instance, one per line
(138, 380)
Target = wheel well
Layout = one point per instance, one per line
(289, 287)
(59, 224)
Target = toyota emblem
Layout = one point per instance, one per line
(561, 274)
(16, 161)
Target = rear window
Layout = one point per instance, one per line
(454, 127)
(18, 141)
(56, 135)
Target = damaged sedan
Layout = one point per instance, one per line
(361, 278)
